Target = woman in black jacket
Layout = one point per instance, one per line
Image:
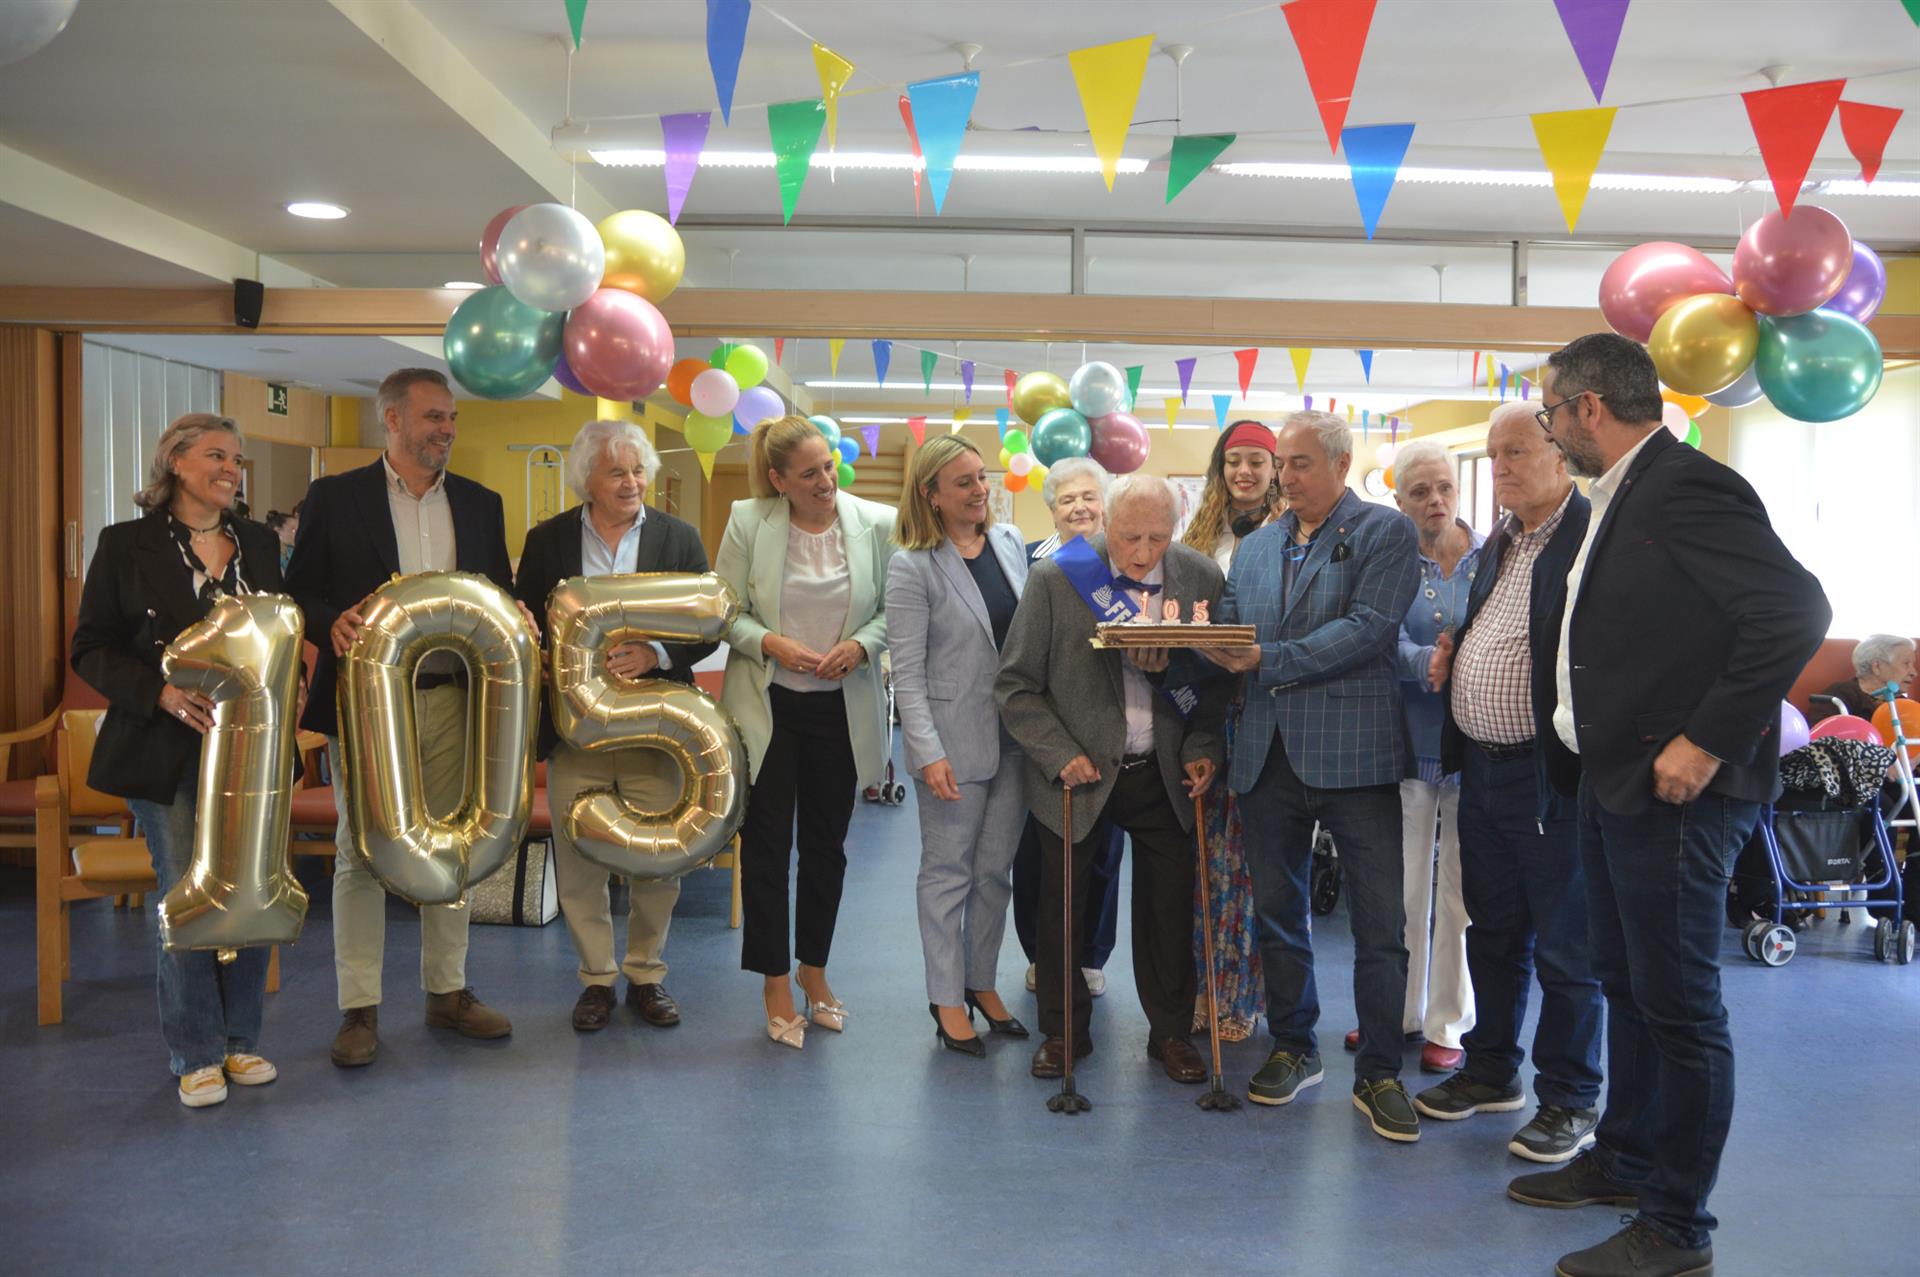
(150, 579)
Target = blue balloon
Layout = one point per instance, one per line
(499, 347)
(1820, 366)
(849, 450)
(1059, 434)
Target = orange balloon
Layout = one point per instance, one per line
(1692, 405)
(1386, 477)
(1909, 724)
(1016, 482)
(680, 379)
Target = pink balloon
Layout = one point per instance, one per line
(1845, 727)
(1791, 265)
(1793, 728)
(1866, 286)
(490, 242)
(1675, 418)
(1119, 442)
(618, 345)
(1648, 278)
(714, 393)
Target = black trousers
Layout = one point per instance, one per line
(809, 772)
(1100, 904)
(1163, 867)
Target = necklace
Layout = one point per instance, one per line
(199, 532)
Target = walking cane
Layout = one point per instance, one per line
(1068, 1101)
(1217, 1099)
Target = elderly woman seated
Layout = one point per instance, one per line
(1879, 659)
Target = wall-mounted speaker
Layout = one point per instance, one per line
(249, 296)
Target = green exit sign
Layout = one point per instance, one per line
(276, 400)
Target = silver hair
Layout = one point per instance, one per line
(1139, 485)
(1073, 468)
(1514, 408)
(1336, 439)
(1420, 452)
(174, 440)
(1875, 648)
(399, 383)
(595, 439)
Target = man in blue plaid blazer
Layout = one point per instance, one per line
(1322, 740)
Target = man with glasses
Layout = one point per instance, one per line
(1686, 621)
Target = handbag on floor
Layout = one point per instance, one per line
(522, 893)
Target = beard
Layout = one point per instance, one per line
(1583, 457)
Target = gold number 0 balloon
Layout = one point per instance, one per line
(426, 859)
(593, 710)
(240, 889)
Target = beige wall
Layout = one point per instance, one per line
(245, 400)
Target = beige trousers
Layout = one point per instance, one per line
(360, 902)
(650, 779)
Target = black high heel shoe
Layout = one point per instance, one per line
(965, 1046)
(1008, 1027)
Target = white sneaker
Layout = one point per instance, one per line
(1096, 980)
(202, 1087)
(1033, 977)
(250, 1070)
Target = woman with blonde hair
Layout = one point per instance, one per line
(809, 564)
(951, 594)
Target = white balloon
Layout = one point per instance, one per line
(550, 257)
(715, 392)
(1675, 419)
(1097, 389)
(1020, 463)
(28, 26)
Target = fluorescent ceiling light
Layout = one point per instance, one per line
(898, 161)
(317, 210)
(466, 285)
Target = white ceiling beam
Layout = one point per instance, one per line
(430, 57)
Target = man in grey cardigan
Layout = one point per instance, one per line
(1106, 726)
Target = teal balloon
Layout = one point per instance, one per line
(827, 426)
(1059, 434)
(501, 348)
(1820, 366)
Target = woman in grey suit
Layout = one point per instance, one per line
(951, 594)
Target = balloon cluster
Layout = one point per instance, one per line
(847, 450)
(1789, 325)
(724, 391)
(1024, 470)
(569, 300)
(1083, 417)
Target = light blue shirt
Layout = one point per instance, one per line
(597, 558)
(1438, 608)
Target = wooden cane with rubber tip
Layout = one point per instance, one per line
(1068, 1101)
(1217, 1099)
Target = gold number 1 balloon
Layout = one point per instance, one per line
(429, 859)
(240, 889)
(593, 710)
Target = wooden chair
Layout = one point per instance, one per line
(16, 796)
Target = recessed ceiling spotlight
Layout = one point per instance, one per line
(317, 210)
(465, 284)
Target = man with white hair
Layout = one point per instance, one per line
(1127, 745)
(1326, 586)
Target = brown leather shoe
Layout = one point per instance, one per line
(1050, 1060)
(358, 1040)
(655, 1005)
(464, 1013)
(1178, 1058)
(594, 1008)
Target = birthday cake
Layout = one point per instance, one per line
(1170, 631)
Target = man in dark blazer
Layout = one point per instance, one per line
(1100, 723)
(1686, 622)
(1520, 869)
(403, 514)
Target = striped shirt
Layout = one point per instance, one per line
(1493, 670)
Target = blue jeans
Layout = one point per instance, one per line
(208, 1010)
(1656, 894)
(1527, 900)
(1279, 813)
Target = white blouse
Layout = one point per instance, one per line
(813, 600)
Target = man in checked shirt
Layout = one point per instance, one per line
(1519, 859)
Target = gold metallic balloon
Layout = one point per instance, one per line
(239, 889)
(1704, 343)
(593, 710)
(644, 254)
(1037, 394)
(423, 858)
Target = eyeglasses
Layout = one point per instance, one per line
(1545, 415)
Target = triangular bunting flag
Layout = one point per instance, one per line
(961, 416)
(684, 137)
(1331, 401)
(1190, 157)
(834, 346)
(1134, 373)
(706, 464)
(1012, 377)
(1571, 143)
(913, 140)
(1109, 76)
(1526, 388)
(1867, 129)
(966, 378)
(726, 37)
(1220, 405)
(918, 425)
(1306, 401)
(1913, 10)
(941, 109)
(1490, 363)
(1185, 369)
(1246, 359)
(1788, 123)
(779, 350)
(872, 435)
(1593, 28)
(1301, 356)
(1330, 34)
(1373, 160)
(1366, 365)
(1002, 416)
(834, 71)
(1503, 383)
(927, 358)
(795, 129)
(1366, 422)
(1173, 410)
(882, 357)
(576, 18)
(1349, 413)
(1475, 378)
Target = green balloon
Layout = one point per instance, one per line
(846, 475)
(1060, 433)
(720, 353)
(1015, 441)
(1693, 434)
(827, 426)
(707, 434)
(747, 365)
(501, 348)
(1820, 366)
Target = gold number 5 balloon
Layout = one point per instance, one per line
(429, 859)
(240, 889)
(593, 710)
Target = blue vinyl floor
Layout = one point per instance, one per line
(708, 1149)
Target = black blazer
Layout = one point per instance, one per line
(552, 555)
(1692, 617)
(346, 549)
(138, 597)
(1547, 597)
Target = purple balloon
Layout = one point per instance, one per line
(563, 373)
(1791, 266)
(1119, 442)
(1794, 732)
(756, 404)
(1865, 288)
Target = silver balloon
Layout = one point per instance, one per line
(1098, 389)
(1745, 390)
(426, 859)
(594, 710)
(28, 26)
(240, 889)
(550, 257)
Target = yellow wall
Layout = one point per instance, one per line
(1903, 287)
